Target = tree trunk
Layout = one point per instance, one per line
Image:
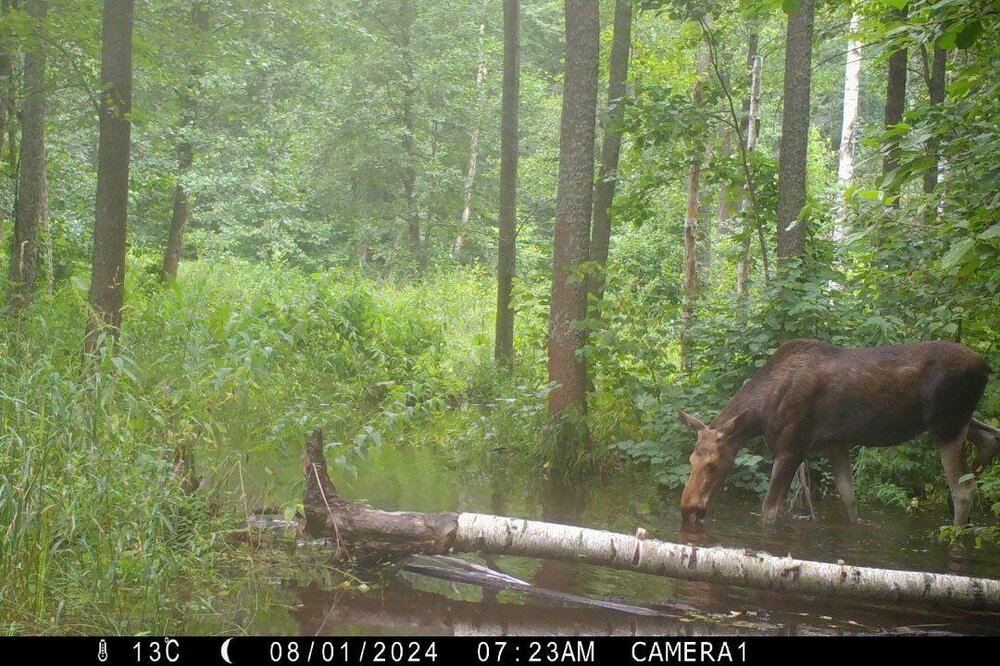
(794, 145)
(574, 199)
(45, 250)
(607, 175)
(503, 350)
(407, 16)
(470, 173)
(752, 40)
(936, 91)
(372, 535)
(752, 134)
(848, 126)
(691, 231)
(185, 153)
(725, 212)
(111, 210)
(895, 104)
(7, 83)
(32, 208)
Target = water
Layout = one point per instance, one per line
(422, 480)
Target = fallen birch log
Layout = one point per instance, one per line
(369, 534)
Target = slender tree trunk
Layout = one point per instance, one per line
(725, 213)
(794, 144)
(574, 200)
(936, 91)
(691, 232)
(185, 152)
(373, 535)
(503, 350)
(7, 84)
(8, 107)
(895, 104)
(45, 241)
(32, 208)
(111, 211)
(752, 40)
(607, 175)
(848, 126)
(470, 172)
(756, 66)
(407, 14)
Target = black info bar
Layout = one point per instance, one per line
(250, 650)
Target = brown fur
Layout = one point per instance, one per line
(814, 397)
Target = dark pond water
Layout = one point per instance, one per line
(420, 480)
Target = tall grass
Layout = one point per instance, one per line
(228, 368)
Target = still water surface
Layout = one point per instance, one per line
(420, 480)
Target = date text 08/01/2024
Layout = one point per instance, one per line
(506, 652)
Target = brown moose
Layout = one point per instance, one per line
(813, 397)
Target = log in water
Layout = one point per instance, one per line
(361, 530)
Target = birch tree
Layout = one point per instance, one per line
(752, 133)
(470, 172)
(371, 535)
(848, 125)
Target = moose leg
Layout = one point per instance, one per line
(840, 459)
(952, 452)
(782, 473)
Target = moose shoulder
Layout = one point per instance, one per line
(813, 397)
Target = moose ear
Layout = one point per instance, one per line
(690, 421)
(737, 424)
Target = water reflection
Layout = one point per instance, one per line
(418, 480)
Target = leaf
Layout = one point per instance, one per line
(968, 34)
(992, 232)
(947, 39)
(789, 6)
(896, 130)
(957, 253)
(898, 4)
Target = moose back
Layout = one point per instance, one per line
(813, 397)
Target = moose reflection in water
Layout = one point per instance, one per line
(813, 397)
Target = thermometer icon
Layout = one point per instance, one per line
(102, 650)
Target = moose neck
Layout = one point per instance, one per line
(743, 401)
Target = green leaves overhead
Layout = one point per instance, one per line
(967, 36)
(961, 35)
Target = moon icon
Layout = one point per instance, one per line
(225, 650)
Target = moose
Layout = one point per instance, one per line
(814, 397)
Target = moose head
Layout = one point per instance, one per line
(711, 461)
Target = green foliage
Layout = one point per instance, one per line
(227, 369)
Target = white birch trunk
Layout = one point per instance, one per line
(753, 132)
(849, 127)
(470, 174)
(371, 535)
(730, 566)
